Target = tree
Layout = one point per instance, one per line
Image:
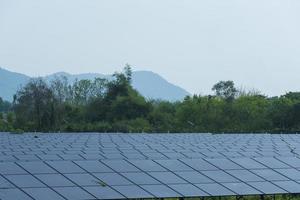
(82, 91)
(225, 89)
(280, 113)
(61, 89)
(128, 73)
(5, 106)
(34, 106)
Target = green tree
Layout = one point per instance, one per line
(225, 89)
(34, 106)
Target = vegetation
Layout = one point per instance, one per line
(114, 106)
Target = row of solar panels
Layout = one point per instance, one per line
(113, 179)
(119, 166)
(38, 156)
(133, 146)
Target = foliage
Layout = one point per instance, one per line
(114, 106)
(5, 106)
(225, 89)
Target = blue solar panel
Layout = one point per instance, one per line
(9, 194)
(5, 184)
(244, 175)
(161, 191)
(36, 167)
(290, 173)
(103, 192)
(270, 175)
(188, 190)
(271, 162)
(147, 165)
(43, 194)
(24, 181)
(112, 179)
(267, 187)
(215, 189)
(83, 179)
(120, 166)
(54, 180)
(223, 163)
(167, 177)
(241, 188)
(133, 191)
(199, 164)
(11, 168)
(65, 167)
(290, 186)
(220, 176)
(73, 193)
(194, 177)
(140, 178)
(248, 163)
(93, 166)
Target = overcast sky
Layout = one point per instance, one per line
(192, 43)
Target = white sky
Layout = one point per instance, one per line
(192, 43)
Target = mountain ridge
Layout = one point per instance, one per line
(149, 84)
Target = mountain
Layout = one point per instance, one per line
(10, 82)
(149, 84)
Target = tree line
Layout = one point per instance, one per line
(102, 105)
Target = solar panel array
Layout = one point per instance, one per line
(121, 166)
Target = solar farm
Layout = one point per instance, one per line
(67, 166)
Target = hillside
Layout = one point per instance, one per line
(149, 84)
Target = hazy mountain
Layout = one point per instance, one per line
(10, 82)
(149, 84)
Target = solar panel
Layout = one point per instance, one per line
(133, 191)
(267, 187)
(241, 188)
(8, 194)
(290, 173)
(223, 163)
(215, 189)
(140, 178)
(188, 190)
(292, 161)
(269, 175)
(198, 164)
(194, 177)
(244, 175)
(290, 186)
(54, 180)
(65, 166)
(147, 165)
(271, 162)
(112, 179)
(248, 163)
(122, 166)
(174, 165)
(5, 184)
(11, 168)
(73, 193)
(43, 194)
(83, 179)
(103, 192)
(167, 177)
(220, 176)
(24, 181)
(93, 166)
(36, 167)
(160, 191)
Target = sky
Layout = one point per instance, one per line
(191, 43)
